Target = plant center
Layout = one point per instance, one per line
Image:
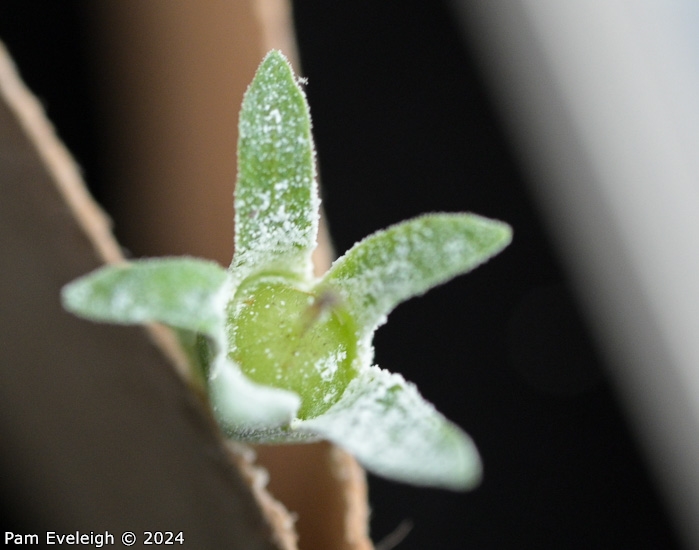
(291, 339)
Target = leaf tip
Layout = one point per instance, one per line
(275, 61)
(469, 474)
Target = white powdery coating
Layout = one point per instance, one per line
(408, 259)
(327, 366)
(123, 300)
(384, 422)
(241, 405)
(276, 197)
(219, 335)
(181, 292)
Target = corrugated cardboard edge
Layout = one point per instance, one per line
(96, 226)
(275, 22)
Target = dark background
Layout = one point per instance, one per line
(404, 125)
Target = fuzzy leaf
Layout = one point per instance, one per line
(276, 197)
(384, 422)
(408, 259)
(242, 406)
(180, 292)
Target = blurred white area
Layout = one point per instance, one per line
(602, 99)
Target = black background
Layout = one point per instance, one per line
(404, 125)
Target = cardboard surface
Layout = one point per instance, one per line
(102, 433)
(99, 431)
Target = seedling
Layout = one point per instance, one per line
(286, 356)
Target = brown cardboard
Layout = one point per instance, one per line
(103, 433)
(99, 432)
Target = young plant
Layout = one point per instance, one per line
(287, 357)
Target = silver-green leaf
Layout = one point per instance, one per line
(409, 258)
(181, 292)
(392, 431)
(243, 407)
(276, 198)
